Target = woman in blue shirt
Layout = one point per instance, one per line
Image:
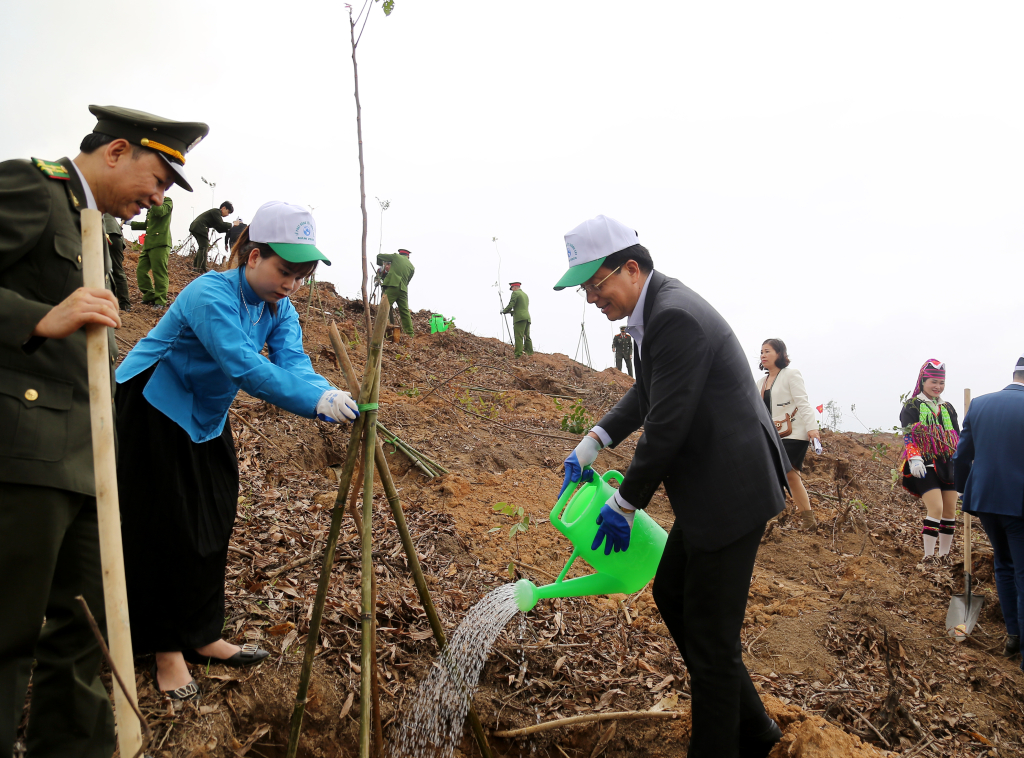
(177, 470)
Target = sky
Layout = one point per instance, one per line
(845, 177)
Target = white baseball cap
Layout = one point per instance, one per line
(289, 230)
(589, 244)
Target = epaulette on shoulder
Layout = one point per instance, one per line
(51, 170)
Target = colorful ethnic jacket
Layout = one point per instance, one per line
(930, 431)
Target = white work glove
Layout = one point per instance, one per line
(917, 468)
(335, 405)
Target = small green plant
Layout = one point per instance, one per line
(410, 392)
(577, 420)
(520, 521)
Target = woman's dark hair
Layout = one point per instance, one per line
(242, 248)
(227, 204)
(636, 253)
(94, 141)
(782, 357)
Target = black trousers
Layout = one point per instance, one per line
(49, 553)
(117, 273)
(702, 597)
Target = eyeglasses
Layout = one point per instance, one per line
(593, 289)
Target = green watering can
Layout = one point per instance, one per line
(439, 323)
(575, 515)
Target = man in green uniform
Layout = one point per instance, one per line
(155, 252)
(200, 229)
(396, 285)
(49, 544)
(519, 307)
(622, 346)
(115, 239)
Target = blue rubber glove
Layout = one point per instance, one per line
(577, 465)
(615, 523)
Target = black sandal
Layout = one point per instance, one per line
(249, 655)
(189, 691)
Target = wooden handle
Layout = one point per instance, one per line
(101, 411)
(967, 516)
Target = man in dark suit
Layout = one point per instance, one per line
(708, 437)
(989, 471)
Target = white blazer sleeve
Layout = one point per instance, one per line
(803, 404)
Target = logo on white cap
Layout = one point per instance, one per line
(283, 223)
(572, 252)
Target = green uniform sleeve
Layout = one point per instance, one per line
(221, 224)
(383, 258)
(24, 212)
(139, 225)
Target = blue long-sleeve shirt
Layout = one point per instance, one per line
(207, 347)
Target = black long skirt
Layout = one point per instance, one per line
(178, 502)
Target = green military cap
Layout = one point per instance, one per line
(171, 140)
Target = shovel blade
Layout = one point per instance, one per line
(963, 615)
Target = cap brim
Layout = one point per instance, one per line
(576, 275)
(298, 253)
(179, 173)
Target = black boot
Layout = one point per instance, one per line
(1012, 646)
(759, 745)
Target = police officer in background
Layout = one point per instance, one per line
(200, 229)
(622, 346)
(49, 544)
(156, 250)
(396, 285)
(519, 307)
(115, 239)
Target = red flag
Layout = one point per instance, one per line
(821, 408)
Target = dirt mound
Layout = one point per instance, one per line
(844, 634)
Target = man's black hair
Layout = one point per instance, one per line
(227, 204)
(636, 253)
(93, 141)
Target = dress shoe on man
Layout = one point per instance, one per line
(1012, 646)
(759, 745)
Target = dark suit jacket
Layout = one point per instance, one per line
(988, 467)
(707, 434)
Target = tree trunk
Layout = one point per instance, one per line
(362, 177)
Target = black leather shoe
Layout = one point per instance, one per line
(759, 745)
(188, 692)
(1012, 646)
(249, 655)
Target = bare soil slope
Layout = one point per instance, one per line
(844, 634)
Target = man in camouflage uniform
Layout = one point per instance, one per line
(156, 250)
(622, 346)
(519, 307)
(49, 537)
(396, 285)
(115, 239)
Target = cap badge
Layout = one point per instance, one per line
(304, 231)
(571, 251)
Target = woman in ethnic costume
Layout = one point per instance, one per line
(930, 436)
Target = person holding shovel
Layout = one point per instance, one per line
(156, 251)
(708, 438)
(930, 435)
(49, 535)
(989, 471)
(400, 272)
(177, 469)
(519, 307)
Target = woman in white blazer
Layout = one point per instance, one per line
(785, 396)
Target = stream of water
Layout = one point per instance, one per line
(433, 725)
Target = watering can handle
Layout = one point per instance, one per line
(563, 501)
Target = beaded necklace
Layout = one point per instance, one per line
(242, 295)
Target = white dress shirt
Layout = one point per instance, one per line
(90, 201)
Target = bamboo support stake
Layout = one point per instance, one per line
(332, 543)
(101, 411)
(557, 723)
(391, 492)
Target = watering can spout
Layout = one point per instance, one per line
(526, 595)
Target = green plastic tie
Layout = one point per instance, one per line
(367, 407)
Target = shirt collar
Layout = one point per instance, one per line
(1020, 383)
(90, 201)
(636, 318)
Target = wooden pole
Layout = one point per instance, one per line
(362, 171)
(101, 411)
(967, 520)
(391, 492)
(337, 516)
